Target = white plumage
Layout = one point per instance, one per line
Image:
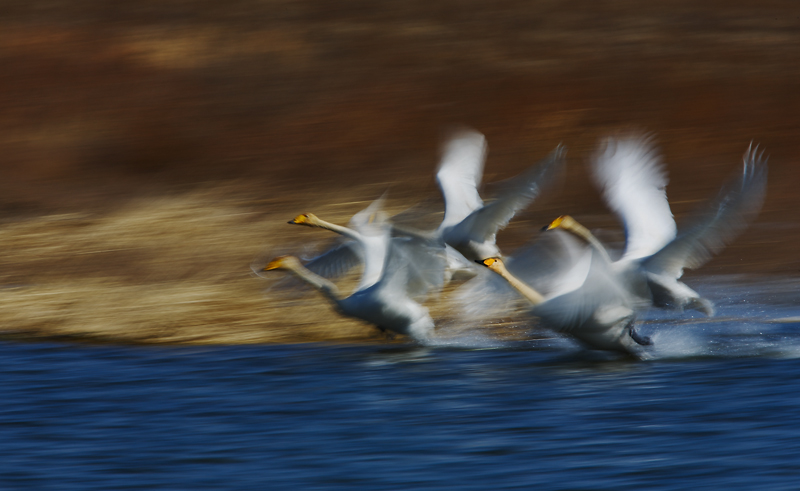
(586, 302)
(391, 277)
(632, 179)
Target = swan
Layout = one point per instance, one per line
(469, 227)
(395, 270)
(589, 304)
(633, 180)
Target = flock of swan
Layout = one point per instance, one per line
(570, 279)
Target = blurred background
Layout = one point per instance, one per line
(152, 150)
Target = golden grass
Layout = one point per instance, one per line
(174, 269)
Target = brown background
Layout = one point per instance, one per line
(151, 150)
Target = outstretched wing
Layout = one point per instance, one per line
(414, 266)
(721, 220)
(337, 260)
(371, 219)
(548, 263)
(633, 180)
(486, 221)
(459, 175)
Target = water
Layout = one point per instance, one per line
(716, 408)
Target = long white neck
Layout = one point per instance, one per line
(526, 291)
(347, 232)
(577, 229)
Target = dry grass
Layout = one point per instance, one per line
(171, 270)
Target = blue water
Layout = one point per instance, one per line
(716, 408)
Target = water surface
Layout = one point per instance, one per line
(715, 408)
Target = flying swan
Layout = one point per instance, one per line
(589, 305)
(633, 181)
(390, 279)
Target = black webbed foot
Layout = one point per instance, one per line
(641, 340)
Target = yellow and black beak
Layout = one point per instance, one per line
(487, 262)
(299, 220)
(274, 264)
(554, 224)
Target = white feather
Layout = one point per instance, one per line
(632, 177)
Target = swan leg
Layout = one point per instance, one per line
(640, 339)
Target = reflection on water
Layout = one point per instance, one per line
(715, 408)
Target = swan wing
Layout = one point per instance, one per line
(633, 180)
(487, 220)
(718, 223)
(371, 219)
(459, 175)
(337, 260)
(414, 266)
(373, 235)
(548, 263)
(544, 264)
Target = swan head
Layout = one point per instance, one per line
(282, 262)
(493, 263)
(565, 222)
(307, 219)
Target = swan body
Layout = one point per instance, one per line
(392, 275)
(594, 310)
(655, 256)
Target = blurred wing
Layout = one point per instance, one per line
(412, 268)
(527, 186)
(459, 175)
(550, 265)
(370, 218)
(425, 215)
(338, 260)
(633, 181)
(423, 261)
(546, 264)
(723, 218)
(486, 296)
(373, 237)
(575, 277)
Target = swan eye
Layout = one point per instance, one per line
(488, 262)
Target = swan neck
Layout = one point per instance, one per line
(584, 233)
(526, 291)
(338, 229)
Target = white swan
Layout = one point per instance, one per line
(390, 278)
(469, 227)
(633, 180)
(589, 305)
